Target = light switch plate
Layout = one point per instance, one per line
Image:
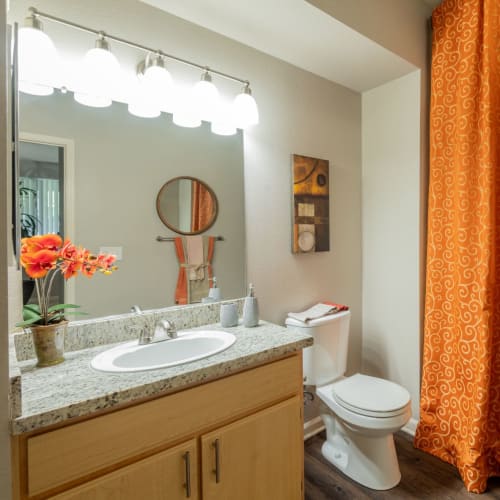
(116, 251)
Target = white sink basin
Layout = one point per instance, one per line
(189, 346)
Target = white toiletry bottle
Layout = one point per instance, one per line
(214, 293)
(250, 309)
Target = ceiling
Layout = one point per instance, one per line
(298, 33)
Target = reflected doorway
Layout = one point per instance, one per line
(42, 195)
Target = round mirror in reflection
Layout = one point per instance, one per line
(187, 205)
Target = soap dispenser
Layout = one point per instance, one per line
(214, 293)
(250, 309)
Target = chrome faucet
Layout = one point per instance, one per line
(164, 329)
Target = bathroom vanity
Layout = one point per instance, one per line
(224, 427)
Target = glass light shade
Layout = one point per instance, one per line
(186, 118)
(245, 110)
(205, 97)
(223, 121)
(142, 103)
(185, 113)
(38, 62)
(94, 101)
(159, 85)
(98, 78)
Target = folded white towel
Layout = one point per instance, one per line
(314, 312)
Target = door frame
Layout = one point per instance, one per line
(68, 146)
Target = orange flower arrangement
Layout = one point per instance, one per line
(43, 257)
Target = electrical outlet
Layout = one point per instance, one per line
(116, 251)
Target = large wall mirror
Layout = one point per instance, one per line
(115, 166)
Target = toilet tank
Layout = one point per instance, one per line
(326, 360)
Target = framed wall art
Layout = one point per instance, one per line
(311, 205)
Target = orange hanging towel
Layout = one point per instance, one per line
(189, 291)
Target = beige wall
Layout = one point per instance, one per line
(390, 180)
(121, 162)
(397, 25)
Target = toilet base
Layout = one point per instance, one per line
(368, 460)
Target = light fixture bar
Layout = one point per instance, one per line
(36, 13)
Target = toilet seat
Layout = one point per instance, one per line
(371, 396)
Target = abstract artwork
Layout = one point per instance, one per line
(311, 205)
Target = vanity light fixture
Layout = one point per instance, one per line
(37, 58)
(205, 96)
(153, 88)
(156, 80)
(245, 108)
(154, 93)
(98, 76)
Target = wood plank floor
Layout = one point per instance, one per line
(423, 477)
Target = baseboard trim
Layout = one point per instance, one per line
(313, 427)
(411, 427)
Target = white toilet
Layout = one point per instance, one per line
(365, 411)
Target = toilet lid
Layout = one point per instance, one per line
(371, 396)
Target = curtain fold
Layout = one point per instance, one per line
(460, 394)
(202, 206)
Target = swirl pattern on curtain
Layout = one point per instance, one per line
(460, 395)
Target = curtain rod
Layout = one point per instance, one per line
(163, 238)
(103, 34)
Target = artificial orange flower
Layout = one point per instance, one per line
(44, 242)
(46, 254)
(72, 259)
(38, 264)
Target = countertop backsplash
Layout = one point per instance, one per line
(119, 328)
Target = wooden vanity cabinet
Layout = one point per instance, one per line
(258, 457)
(174, 471)
(236, 437)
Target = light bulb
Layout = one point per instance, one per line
(98, 76)
(245, 109)
(38, 61)
(205, 96)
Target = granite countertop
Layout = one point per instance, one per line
(73, 389)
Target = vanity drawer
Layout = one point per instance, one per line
(81, 450)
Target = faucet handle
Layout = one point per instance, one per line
(167, 328)
(144, 336)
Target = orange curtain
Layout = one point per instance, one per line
(460, 394)
(202, 206)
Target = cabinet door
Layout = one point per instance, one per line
(260, 457)
(170, 474)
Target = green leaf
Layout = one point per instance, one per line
(60, 307)
(32, 307)
(28, 322)
(77, 313)
(28, 315)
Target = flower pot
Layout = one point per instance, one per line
(48, 341)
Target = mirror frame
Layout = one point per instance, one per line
(175, 229)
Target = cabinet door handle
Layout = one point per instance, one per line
(187, 464)
(216, 445)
